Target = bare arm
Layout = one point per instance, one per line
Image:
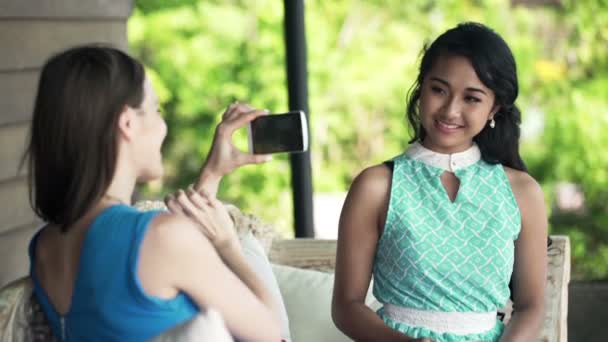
(210, 217)
(236, 261)
(175, 251)
(530, 268)
(361, 221)
(215, 223)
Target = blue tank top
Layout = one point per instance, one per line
(108, 301)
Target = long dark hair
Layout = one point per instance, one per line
(495, 66)
(73, 142)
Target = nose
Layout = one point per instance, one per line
(452, 108)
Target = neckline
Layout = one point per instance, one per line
(447, 162)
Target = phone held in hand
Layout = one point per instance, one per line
(278, 133)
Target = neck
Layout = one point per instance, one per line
(445, 161)
(121, 189)
(446, 150)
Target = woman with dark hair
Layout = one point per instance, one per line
(102, 270)
(446, 226)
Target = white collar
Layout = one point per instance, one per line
(449, 162)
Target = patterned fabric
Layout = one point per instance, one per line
(21, 317)
(244, 223)
(439, 255)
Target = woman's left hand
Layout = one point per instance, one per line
(224, 157)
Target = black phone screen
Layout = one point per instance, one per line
(277, 133)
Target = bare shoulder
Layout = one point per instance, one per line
(528, 194)
(171, 250)
(368, 198)
(374, 180)
(525, 187)
(175, 233)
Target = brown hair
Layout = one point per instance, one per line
(72, 150)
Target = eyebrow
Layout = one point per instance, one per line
(447, 85)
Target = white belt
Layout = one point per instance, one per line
(460, 323)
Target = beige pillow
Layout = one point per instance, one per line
(258, 261)
(307, 296)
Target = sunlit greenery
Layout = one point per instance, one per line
(362, 59)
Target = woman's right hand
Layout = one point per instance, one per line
(209, 214)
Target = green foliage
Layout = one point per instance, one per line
(206, 56)
(362, 59)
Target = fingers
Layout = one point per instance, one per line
(260, 158)
(201, 202)
(238, 121)
(191, 202)
(198, 209)
(173, 206)
(187, 206)
(238, 115)
(246, 158)
(217, 207)
(210, 200)
(224, 156)
(234, 109)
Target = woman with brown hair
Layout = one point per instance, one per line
(103, 270)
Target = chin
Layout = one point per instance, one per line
(151, 175)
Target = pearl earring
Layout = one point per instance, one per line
(492, 123)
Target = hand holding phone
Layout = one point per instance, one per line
(278, 133)
(223, 156)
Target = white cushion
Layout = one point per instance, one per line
(258, 261)
(307, 295)
(205, 327)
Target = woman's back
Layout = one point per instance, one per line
(106, 300)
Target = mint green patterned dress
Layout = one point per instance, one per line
(439, 255)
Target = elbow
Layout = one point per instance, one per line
(533, 309)
(532, 314)
(338, 315)
(335, 316)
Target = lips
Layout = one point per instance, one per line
(447, 127)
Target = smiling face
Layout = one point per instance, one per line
(454, 105)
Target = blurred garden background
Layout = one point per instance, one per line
(362, 59)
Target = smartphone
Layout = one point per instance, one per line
(278, 133)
